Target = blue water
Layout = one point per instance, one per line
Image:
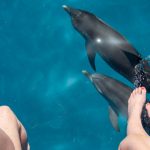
(41, 59)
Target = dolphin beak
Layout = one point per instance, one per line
(87, 74)
(71, 11)
(66, 8)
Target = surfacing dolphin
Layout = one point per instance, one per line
(117, 98)
(109, 44)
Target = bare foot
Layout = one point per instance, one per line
(135, 105)
(137, 138)
(136, 102)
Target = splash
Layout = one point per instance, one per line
(142, 73)
(142, 78)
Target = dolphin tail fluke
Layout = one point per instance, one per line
(134, 59)
(91, 55)
(114, 119)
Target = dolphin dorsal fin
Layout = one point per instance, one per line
(133, 59)
(114, 119)
(91, 54)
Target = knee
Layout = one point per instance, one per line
(6, 112)
(5, 109)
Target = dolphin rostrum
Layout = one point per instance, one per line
(109, 44)
(117, 94)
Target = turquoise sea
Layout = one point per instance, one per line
(41, 59)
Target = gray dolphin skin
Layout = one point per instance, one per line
(117, 99)
(117, 94)
(109, 44)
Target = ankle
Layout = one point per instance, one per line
(135, 115)
(135, 126)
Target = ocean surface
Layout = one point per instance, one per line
(41, 59)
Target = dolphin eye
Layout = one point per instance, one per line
(79, 14)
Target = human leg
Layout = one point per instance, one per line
(10, 125)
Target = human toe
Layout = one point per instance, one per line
(139, 90)
(134, 92)
(143, 90)
(148, 108)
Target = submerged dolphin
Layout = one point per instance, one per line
(109, 44)
(117, 97)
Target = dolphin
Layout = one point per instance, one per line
(117, 94)
(109, 44)
(117, 99)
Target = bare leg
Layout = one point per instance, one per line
(13, 128)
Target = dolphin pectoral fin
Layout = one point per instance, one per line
(134, 59)
(114, 119)
(91, 55)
